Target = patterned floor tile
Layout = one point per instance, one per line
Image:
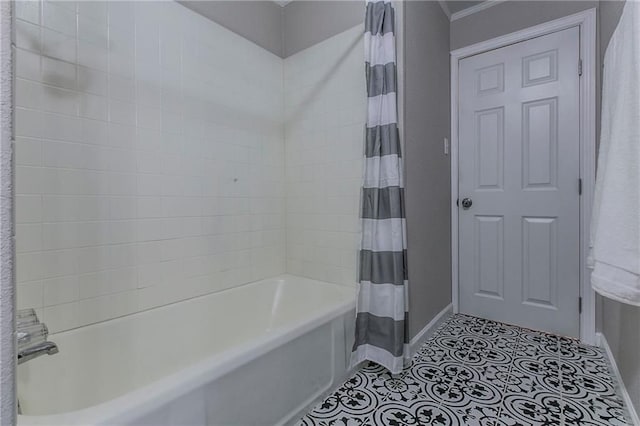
(483, 353)
(433, 354)
(585, 385)
(397, 388)
(471, 387)
(371, 369)
(475, 371)
(537, 409)
(478, 414)
(574, 349)
(599, 410)
(498, 328)
(534, 343)
(434, 379)
(537, 365)
(595, 367)
(531, 382)
(355, 400)
(497, 375)
(419, 413)
(337, 421)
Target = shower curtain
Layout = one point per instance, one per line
(382, 305)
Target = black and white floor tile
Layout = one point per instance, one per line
(479, 372)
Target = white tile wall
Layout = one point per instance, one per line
(150, 159)
(325, 115)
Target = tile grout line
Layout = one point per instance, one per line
(513, 359)
(504, 390)
(483, 328)
(454, 380)
(562, 416)
(464, 364)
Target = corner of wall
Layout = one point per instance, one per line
(400, 68)
(283, 39)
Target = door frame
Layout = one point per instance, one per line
(586, 21)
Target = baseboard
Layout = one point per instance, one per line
(633, 415)
(424, 334)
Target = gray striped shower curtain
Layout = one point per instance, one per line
(382, 306)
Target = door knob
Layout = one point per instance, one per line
(466, 203)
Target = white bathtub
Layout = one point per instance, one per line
(258, 354)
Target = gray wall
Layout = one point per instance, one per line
(426, 123)
(306, 23)
(510, 16)
(282, 30)
(620, 323)
(621, 327)
(257, 21)
(609, 15)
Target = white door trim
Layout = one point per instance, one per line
(586, 20)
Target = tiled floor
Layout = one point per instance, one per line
(479, 372)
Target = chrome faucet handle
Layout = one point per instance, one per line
(26, 317)
(31, 335)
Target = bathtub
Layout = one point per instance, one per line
(259, 354)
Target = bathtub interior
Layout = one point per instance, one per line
(110, 359)
(286, 306)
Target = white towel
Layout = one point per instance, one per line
(615, 228)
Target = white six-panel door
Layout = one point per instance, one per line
(519, 169)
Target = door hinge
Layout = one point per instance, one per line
(580, 67)
(579, 305)
(580, 186)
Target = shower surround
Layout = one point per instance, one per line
(160, 157)
(150, 159)
(325, 107)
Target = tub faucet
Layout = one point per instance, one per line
(32, 337)
(35, 351)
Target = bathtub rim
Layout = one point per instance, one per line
(172, 386)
